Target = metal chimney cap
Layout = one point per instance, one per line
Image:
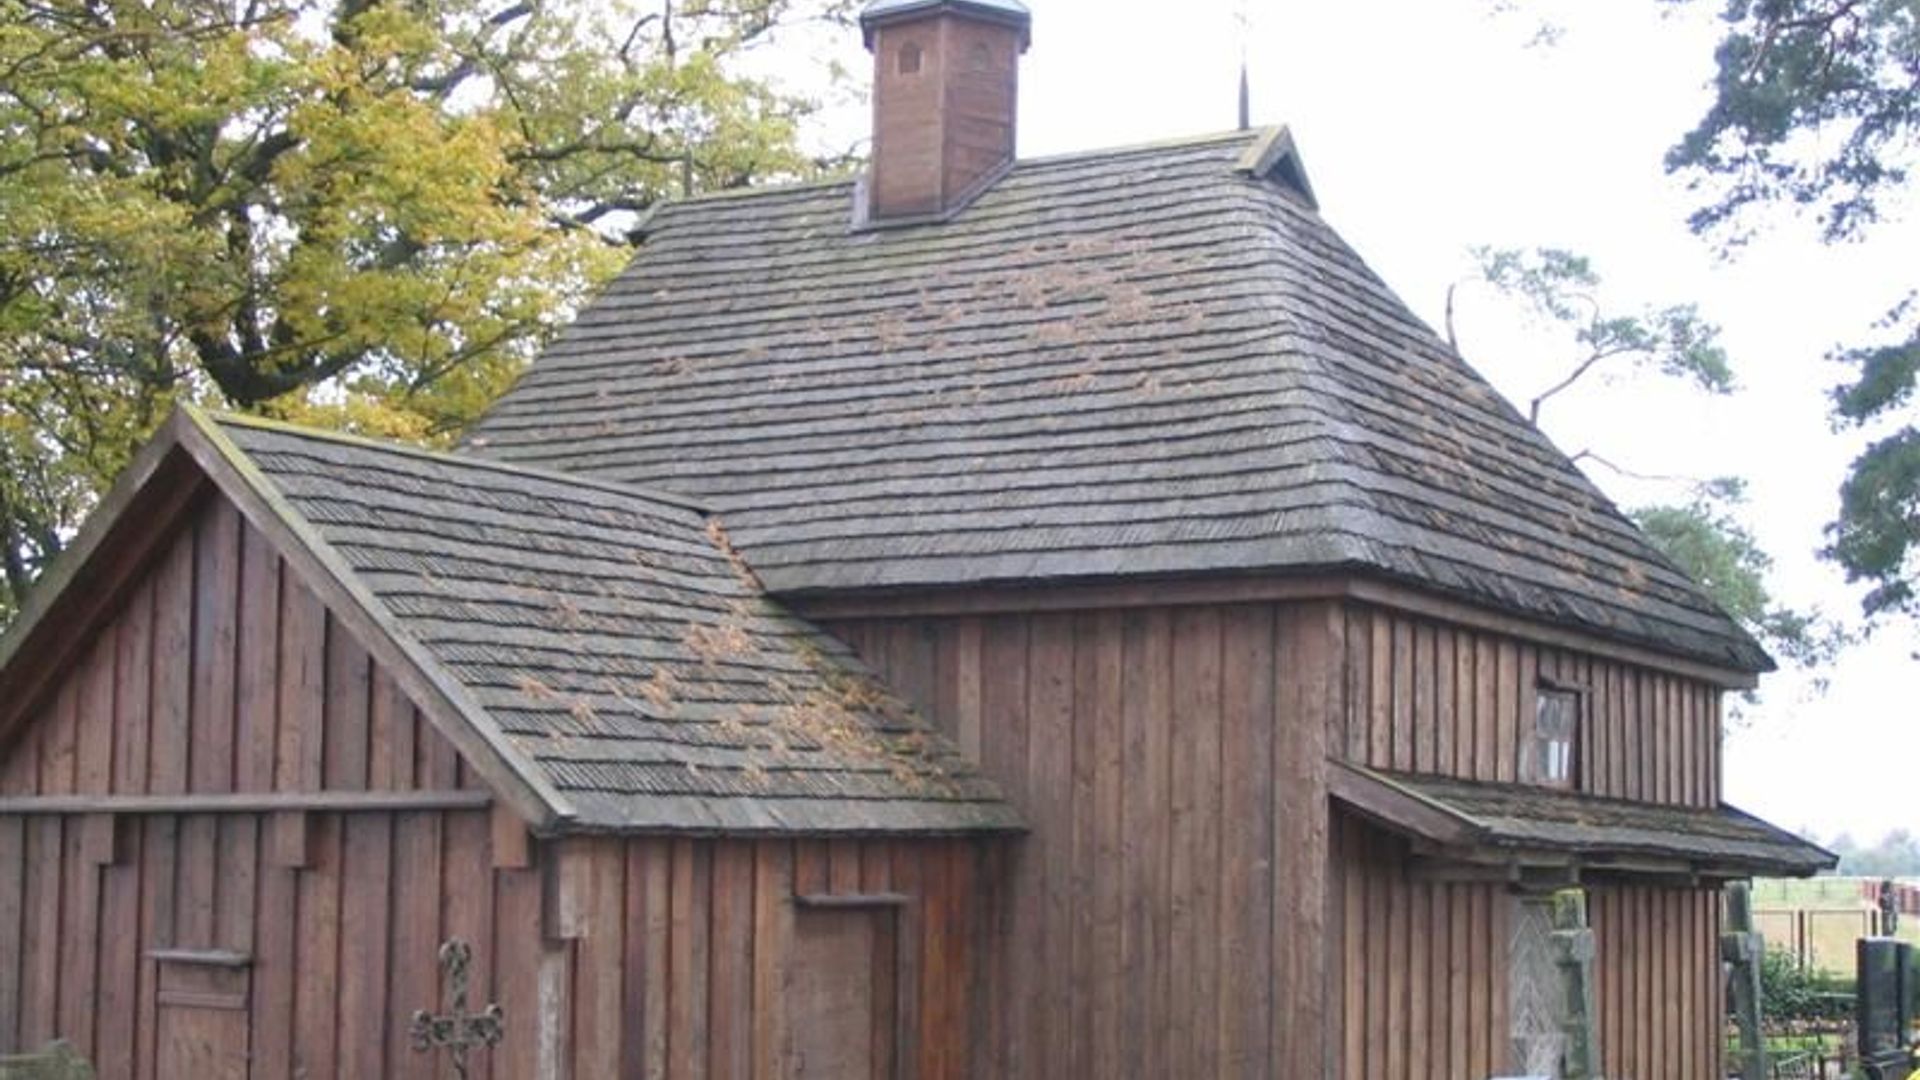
(1007, 12)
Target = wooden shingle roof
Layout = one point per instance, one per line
(1477, 818)
(613, 641)
(1137, 363)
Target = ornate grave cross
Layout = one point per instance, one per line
(459, 1031)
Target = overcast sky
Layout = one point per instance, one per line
(1431, 126)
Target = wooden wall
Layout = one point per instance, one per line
(1421, 969)
(222, 673)
(1166, 913)
(1161, 756)
(1661, 998)
(671, 964)
(1170, 914)
(1426, 697)
(682, 968)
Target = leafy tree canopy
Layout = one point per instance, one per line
(357, 213)
(1702, 534)
(1817, 107)
(1897, 855)
(1563, 288)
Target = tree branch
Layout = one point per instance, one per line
(1620, 470)
(1579, 372)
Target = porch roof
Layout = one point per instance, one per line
(1481, 822)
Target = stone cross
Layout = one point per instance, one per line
(1742, 950)
(1573, 955)
(457, 1032)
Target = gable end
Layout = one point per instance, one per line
(186, 507)
(1276, 157)
(219, 672)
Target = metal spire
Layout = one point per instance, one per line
(1244, 22)
(1246, 100)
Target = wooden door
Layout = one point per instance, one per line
(205, 1030)
(841, 981)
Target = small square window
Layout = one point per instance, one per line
(1549, 757)
(910, 58)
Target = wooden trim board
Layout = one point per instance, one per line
(1179, 592)
(247, 803)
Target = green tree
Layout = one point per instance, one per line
(1702, 534)
(358, 213)
(1897, 855)
(1817, 108)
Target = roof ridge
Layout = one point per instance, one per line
(1064, 157)
(1175, 142)
(476, 461)
(729, 194)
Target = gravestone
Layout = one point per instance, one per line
(57, 1062)
(1885, 1008)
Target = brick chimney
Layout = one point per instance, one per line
(945, 91)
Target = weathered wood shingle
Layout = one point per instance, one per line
(1514, 817)
(1132, 363)
(621, 646)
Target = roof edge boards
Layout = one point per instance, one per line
(1398, 808)
(162, 453)
(1276, 157)
(1455, 833)
(93, 532)
(531, 795)
(1355, 583)
(1833, 859)
(992, 831)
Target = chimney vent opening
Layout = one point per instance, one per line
(945, 98)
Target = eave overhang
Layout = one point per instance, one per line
(851, 761)
(1537, 833)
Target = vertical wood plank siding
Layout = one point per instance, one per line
(222, 673)
(1433, 698)
(1427, 697)
(1190, 947)
(1422, 989)
(1167, 913)
(1184, 905)
(675, 974)
(1422, 963)
(1659, 1013)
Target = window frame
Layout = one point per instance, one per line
(1535, 761)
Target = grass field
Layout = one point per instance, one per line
(1819, 919)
